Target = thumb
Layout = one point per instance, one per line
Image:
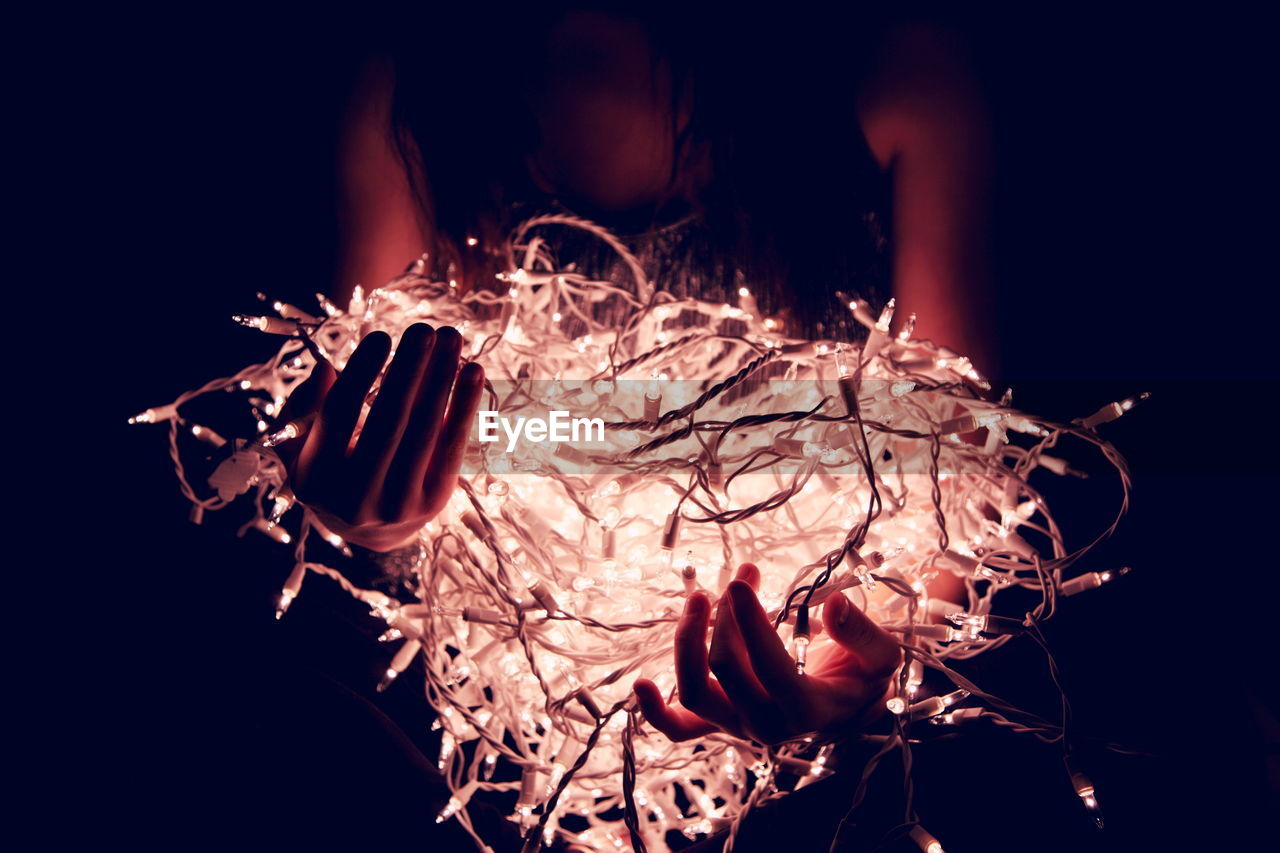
(303, 405)
(858, 633)
(305, 398)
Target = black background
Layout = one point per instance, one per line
(1132, 212)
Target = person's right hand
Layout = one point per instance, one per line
(378, 490)
(757, 692)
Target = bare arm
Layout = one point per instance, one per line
(924, 119)
(380, 226)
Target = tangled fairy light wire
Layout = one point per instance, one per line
(555, 576)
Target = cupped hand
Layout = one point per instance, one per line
(379, 488)
(757, 692)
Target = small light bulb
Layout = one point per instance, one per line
(1085, 791)
(927, 842)
(282, 604)
(207, 435)
(279, 507)
(155, 415)
(886, 317)
(451, 808)
(1111, 411)
(935, 705)
(388, 676)
(275, 439)
(270, 325)
(842, 367)
(1091, 580)
(800, 651)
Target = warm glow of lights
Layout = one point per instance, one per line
(555, 576)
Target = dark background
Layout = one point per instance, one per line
(1131, 214)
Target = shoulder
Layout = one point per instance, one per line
(922, 91)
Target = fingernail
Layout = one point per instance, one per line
(697, 605)
(449, 332)
(842, 606)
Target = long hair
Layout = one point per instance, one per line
(796, 204)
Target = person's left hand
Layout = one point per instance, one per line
(757, 692)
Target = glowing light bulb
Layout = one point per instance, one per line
(927, 842)
(327, 306)
(275, 439)
(207, 435)
(915, 677)
(447, 745)
(1084, 790)
(973, 625)
(800, 651)
(528, 797)
(800, 638)
(842, 367)
(1111, 411)
(398, 664)
(273, 531)
(282, 604)
(1091, 580)
(936, 704)
(886, 317)
(270, 325)
(155, 415)
(451, 808)
(279, 507)
(653, 398)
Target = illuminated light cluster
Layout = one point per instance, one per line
(555, 576)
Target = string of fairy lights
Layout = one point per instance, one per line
(555, 576)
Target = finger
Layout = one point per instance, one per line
(376, 446)
(413, 457)
(697, 691)
(730, 663)
(303, 403)
(306, 398)
(875, 649)
(452, 445)
(749, 574)
(769, 659)
(676, 723)
(325, 450)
